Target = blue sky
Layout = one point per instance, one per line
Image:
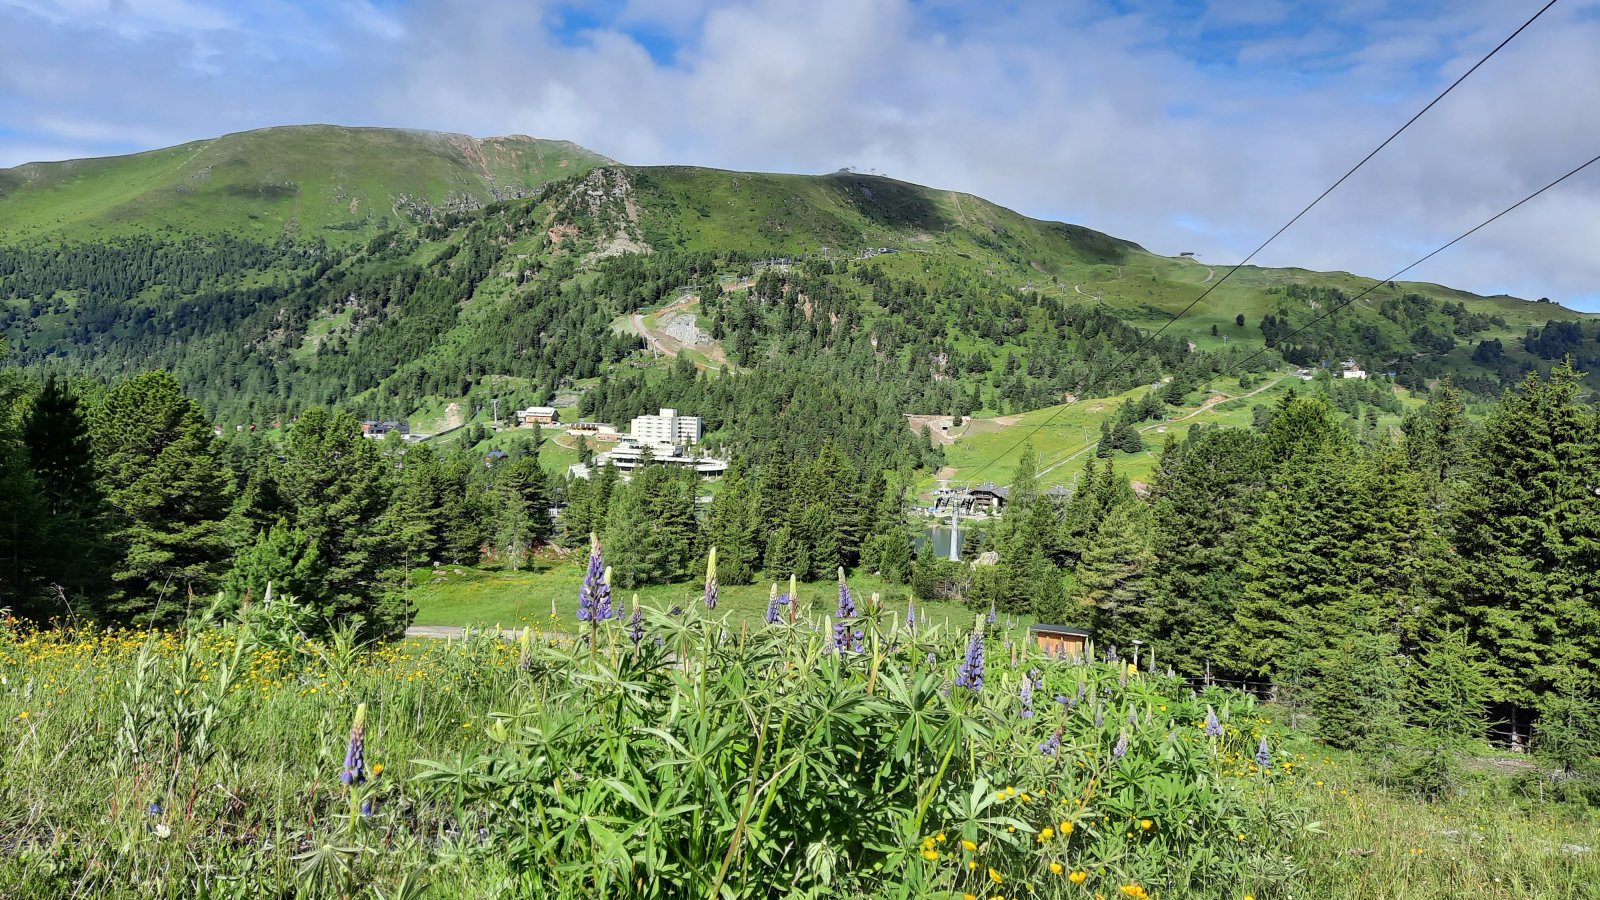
(1182, 124)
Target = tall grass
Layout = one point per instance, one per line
(699, 759)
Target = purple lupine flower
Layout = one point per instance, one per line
(366, 808)
(911, 616)
(1063, 699)
(1052, 745)
(1133, 715)
(711, 579)
(841, 637)
(783, 599)
(602, 602)
(991, 617)
(933, 658)
(154, 809)
(1263, 755)
(1121, 749)
(847, 603)
(676, 610)
(1025, 693)
(1099, 716)
(636, 625)
(593, 581)
(970, 675)
(1083, 688)
(1213, 725)
(772, 606)
(355, 754)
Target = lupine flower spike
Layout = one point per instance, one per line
(355, 753)
(846, 611)
(911, 615)
(1121, 749)
(1213, 727)
(970, 675)
(1263, 755)
(636, 624)
(711, 579)
(602, 605)
(593, 581)
(1052, 746)
(1026, 695)
(991, 616)
(772, 605)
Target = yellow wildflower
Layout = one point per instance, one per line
(1056, 868)
(1047, 833)
(1078, 876)
(996, 877)
(1146, 824)
(969, 846)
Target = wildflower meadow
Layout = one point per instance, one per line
(838, 749)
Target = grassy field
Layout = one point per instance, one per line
(218, 763)
(458, 595)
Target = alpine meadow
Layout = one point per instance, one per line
(390, 513)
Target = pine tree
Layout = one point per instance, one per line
(1114, 576)
(1357, 696)
(630, 549)
(1293, 578)
(56, 435)
(166, 494)
(283, 557)
(733, 527)
(782, 557)
(340, 489)
(1206, 495)
(1526, 527)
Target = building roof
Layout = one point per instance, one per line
(989, 487)
(1061, 629)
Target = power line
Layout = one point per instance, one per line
(1276, 234)
(1376, 284)
(1435, 252)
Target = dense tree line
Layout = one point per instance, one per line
(1297, 550)
(126, 507)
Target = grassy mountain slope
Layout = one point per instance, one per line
(300, 182)
(522, 239)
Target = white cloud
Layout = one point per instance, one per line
(1131, 122)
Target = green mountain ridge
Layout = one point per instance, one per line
(402, 272)
(292, 181)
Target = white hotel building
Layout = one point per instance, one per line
(666, 428)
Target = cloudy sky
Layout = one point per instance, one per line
(1182, 124)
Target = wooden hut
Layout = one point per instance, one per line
(1060, 641)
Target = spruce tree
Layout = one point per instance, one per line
(1526, 527)
(1206, 496)
(166, 495)
(340, 489)
(56, 434)
(733, 526)
(1114, 576)
(283, 557)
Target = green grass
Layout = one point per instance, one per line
(294, 180)
(460, 595)
(1063, 436)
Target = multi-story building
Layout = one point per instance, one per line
(666, 428)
